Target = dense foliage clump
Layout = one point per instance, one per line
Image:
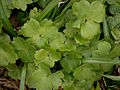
(70, 44)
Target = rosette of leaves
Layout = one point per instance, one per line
(88, 19)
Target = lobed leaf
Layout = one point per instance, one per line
(21, 4)
(47, 56)
(89, 30)
(7, 54)
(23, 49)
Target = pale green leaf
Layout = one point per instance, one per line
(97, 12)
(89, 30)
(30, 28)
(21, 4)
(40, 33)
(80, 40)
(69, 45)
(81, 9)
(34, 12)
(37, 41)
(48, 57)
(58, 43)
(84, 10)
(48, 30)
(42, 79)
(62, 43)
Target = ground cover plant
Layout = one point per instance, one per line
(60, 44)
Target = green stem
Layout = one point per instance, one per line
(48, 8)
(6, 22)
(100, 61)
(23, 75)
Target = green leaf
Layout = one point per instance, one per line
(104, 46)
(68, 16)
(21, 4)
(38, 42)
(115, 52)
(70, 32)
(62, 43)
(14, 71)
(69, 63)
(103, 49)
(69, 86)
(30, 28)
(80, 40)
(42, 79)
(55, 79)
(97, 12)
(23, 49)
(40, 33)
(69, 45)
(94, 11)
(114, 9)
(4, 37)
(77, 23)
(47, 56)
(116, 78)
(84, 73)
(89, 30)
(58, 43)
(113, 1)
(114, 22)
(86, 51)
(81, 9)
(38, 77)
(85, 76)
(34, 12)
(116, 34)
(47, 29)
(7, 53)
